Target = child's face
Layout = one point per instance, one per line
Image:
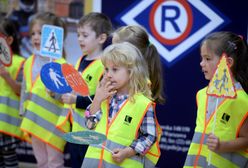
(118, 76)
(9, 39)
(36, 36)
(208, 62)
(87, 39)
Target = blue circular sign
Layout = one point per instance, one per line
(52, 77)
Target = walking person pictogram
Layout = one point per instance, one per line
(55, 78)
(224, 82)
(53, 42)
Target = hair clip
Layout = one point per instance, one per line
(232, 44)
(241, 37)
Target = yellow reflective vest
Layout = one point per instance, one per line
(9, 102)
(41, 110)
(120, 133)
(230, 115)
(91, 75)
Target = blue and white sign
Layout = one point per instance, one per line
(52, 41)
(52, 77)
(174, 27)
(5, 52)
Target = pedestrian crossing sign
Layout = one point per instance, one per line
(52, 41)
(221, 84)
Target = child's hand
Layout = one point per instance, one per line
(104, 90)
(213, 142)
(50, 93)
(69, 98)
(120, 154)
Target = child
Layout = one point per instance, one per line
(93, 31)
(137, 36)
(10, 82)
(229, 143)
(123, 108)
(40, 110)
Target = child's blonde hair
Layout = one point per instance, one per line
(47, 18)
(127, 55)
(138, 36)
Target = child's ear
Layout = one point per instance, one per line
(230, 61)
(102, 38)
(9, 40)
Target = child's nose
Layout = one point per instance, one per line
(36, 36)
(108, 74)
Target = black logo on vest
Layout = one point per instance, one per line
(225, 118)
(88, 77)
(128, 120)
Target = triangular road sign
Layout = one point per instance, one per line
(221, 84)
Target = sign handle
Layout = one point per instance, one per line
(210, 152)
(101, 145)
(90, 98)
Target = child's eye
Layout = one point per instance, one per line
(85, 35)
(115, 69)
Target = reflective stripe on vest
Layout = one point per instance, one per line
(91, 75)
(231, 113)
(78, 120)
(9, 102)
(42, 111)
(120, 133)
(10, 120)
(64, 121)
(6, 101)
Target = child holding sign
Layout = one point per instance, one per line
(41, 111)
(221, 133)
(93, 31)
(10, 82)
(122, 109)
